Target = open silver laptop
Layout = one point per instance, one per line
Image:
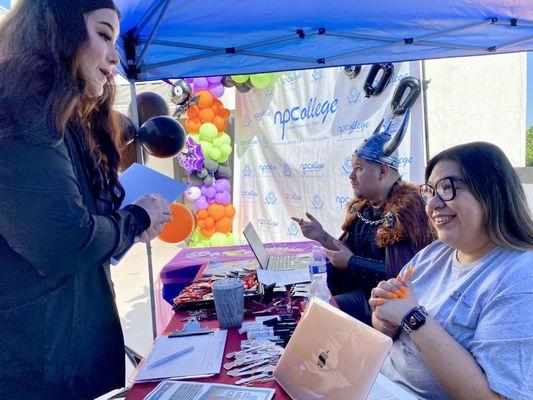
(331, 356)
(273, 263)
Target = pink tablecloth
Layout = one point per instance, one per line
(175, 271)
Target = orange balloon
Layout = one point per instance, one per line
(201, 223)
(192, 125)
(205, 99)
(216, 211)
(202, 214)
(229, 211)
(224, 113)
(209, 222)
(224, 225)
(180, 227)
(207, 115)
(217, 103)
(220, 123)
(207, 232)
(193, 111)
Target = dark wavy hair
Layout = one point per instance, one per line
(40, 83)
(494, 183)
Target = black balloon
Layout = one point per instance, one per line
(242, 87)
(150, 105)
(162, 136)
(227, 81)
(352, 71)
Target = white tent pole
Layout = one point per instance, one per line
(140, 158)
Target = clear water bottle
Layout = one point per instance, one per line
(318, 272)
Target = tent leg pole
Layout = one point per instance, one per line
(140, 158)
(425, 108)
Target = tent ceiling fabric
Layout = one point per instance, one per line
(177, 38)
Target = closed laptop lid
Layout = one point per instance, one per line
(256, 245)
(331, 356)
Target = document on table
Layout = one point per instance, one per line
(283, 277)
(385, 389)
(170, 390)
(204, 360)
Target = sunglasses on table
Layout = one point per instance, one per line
(446, 189)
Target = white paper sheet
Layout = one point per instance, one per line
(205, 359)
(285, 277)
(169, 390)
(385, 389)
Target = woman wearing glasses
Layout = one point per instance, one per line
(461, 310)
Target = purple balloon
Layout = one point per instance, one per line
(201, 203)
(223, 198)
(216, 90)
(210, 192)
(222, 185)
(200, 83)
(190, 80)
(214, 79)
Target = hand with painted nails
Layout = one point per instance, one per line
(394, 298)
(339, 258)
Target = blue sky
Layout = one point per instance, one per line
(529, 97)
(5, 3)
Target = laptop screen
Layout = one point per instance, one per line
(256, 245)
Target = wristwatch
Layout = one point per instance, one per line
(414, 319)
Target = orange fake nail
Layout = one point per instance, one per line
(411, 270)
(380, 301)
(400, 278)
(400, 294)
(391, 295)
(404, 290)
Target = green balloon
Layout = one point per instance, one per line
(226, 149)
(230, 239)
(260, 81)
(225, 138)
(206, 148)
(240, 78)
(208, 131)
(218, 239)
(215, 154)
(218, 142)
(196, 138)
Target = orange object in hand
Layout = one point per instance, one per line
(180, 227)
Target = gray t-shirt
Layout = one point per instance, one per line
(487, 306)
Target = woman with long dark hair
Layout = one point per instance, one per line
(460, 310)
(60, 199)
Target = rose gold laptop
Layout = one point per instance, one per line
(331, 356)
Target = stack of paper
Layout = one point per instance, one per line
(204, 360)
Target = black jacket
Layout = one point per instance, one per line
(60, 334)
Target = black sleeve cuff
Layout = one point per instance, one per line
(140, 215)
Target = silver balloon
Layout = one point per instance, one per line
(181, 92)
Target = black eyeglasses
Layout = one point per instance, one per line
(445, 188)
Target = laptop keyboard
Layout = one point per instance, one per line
(280, 263)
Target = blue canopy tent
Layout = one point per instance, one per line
(176, 39)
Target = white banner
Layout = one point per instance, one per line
(294, 143)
